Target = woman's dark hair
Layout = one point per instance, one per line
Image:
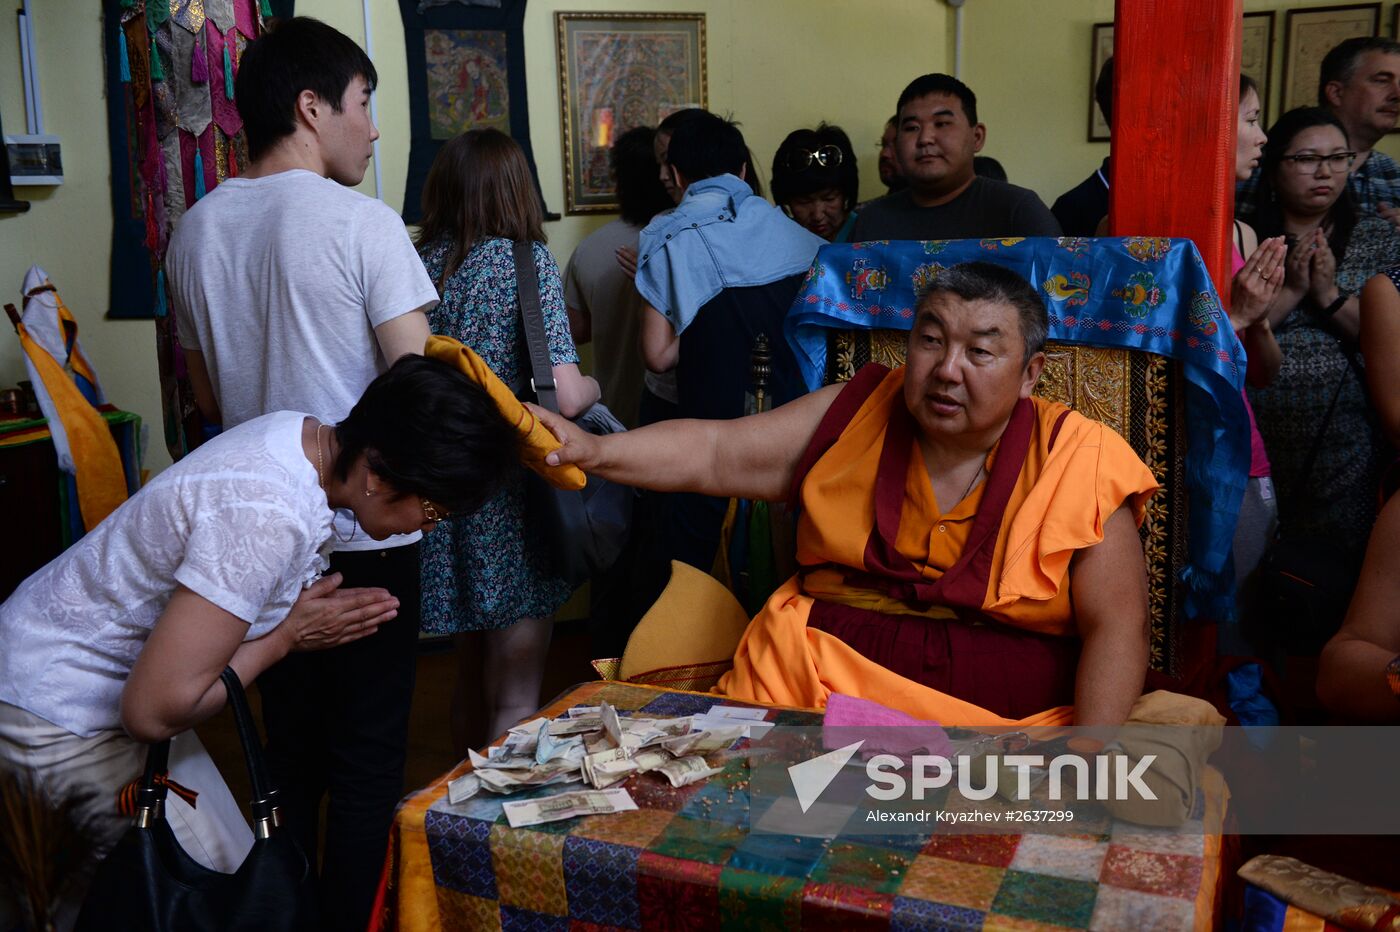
(479, 187)
(1268, 213)
(1246, 85)
(640, 193)
(427, 429)
(790, 181)
(298, 54)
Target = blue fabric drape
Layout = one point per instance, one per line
(1141, 293)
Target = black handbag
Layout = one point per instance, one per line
(586, 529)
(147, 882)
(1305, 582)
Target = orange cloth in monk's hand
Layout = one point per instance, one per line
(1058, 506)
(536, 441)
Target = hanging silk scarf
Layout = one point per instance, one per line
(174, 134)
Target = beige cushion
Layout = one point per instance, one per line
(696, 620)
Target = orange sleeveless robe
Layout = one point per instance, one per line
(1058, 501)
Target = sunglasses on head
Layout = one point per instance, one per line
(827, 156)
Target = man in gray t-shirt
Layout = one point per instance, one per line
(312, 291)
(936, 138)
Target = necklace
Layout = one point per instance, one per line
(321, 475)
(968, 491)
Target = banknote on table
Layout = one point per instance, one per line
(684, 771)
(703, 742)
(612, 726)
(463, 788)
(505, 782)
(567, 806)
(553, 747)
(582, 724)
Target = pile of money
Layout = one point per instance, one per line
(596, 746)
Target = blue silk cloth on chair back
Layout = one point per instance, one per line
(1139, 293)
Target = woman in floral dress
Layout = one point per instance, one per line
(487, 577)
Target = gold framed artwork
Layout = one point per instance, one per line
(1309, 34)
(1100, 52)
(1256, 56)
(617, 71)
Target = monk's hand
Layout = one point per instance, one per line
(1257, 284)
(579, 447)
(325, 615)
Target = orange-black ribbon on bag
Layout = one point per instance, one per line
(126, 796)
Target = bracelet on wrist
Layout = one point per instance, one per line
(1331, 309)
(1392, 676)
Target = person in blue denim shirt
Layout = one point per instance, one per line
(716, 272)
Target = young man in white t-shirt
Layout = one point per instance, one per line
(292, 291)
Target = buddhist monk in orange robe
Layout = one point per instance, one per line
(967, 553)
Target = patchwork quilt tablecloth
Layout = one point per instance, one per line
(685, 860)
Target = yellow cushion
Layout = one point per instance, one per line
(696, 620)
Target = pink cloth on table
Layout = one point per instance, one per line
(1258, 456)
(849, 719)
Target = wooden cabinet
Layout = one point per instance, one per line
(38, 503)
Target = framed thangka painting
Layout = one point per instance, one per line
(467, 86)
(617, 71)
(466, 71)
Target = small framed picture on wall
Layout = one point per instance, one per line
(618, 71)
(1257, 56)
(1309, 34)
(1100, 52)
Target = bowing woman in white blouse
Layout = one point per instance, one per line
(217, 562)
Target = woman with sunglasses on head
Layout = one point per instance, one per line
(217, 562)
(815, 181)
(1323, 443)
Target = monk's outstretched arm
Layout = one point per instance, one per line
(749, 457)
(1108, 586)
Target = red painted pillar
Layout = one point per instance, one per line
(1176, 66)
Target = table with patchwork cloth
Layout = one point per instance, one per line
(686, 860)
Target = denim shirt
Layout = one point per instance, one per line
(719, 236)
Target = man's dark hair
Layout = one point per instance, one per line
(1340, 63)
(985, 281)
(792, 179)
(640, 193)
(939, 83)
(1103, 91)
(297, 54)
(984, 166)
(428, 430)
(705, 145)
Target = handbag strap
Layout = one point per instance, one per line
(527, 287)
(1316, 445)
(264, 804)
